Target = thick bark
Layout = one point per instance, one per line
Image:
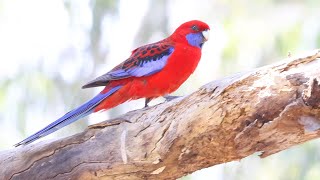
(265, 110)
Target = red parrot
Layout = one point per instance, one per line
(151, 71)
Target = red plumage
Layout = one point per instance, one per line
(180, 65)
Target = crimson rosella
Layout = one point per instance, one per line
(151, 71)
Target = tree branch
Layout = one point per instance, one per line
(265, 110)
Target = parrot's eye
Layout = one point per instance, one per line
(195, 28)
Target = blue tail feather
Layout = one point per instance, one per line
(70, 117)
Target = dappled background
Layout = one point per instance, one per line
(50, 48)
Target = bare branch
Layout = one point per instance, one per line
(265, 110)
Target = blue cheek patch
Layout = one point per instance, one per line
(195, 39)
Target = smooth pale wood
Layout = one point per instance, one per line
(266, 110)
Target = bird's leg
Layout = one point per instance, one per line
(147, 101)
(169, 98)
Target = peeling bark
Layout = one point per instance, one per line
(265, 110)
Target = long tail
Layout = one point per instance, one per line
(70, 117)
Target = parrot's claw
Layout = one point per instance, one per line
(170, 98)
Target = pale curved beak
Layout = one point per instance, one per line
(206, 34)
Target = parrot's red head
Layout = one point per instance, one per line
(195, 33)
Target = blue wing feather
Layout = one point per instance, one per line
(70, 117)
(144, 61)
(149, 65)
(143, 67)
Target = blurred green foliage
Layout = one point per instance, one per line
(245, 35)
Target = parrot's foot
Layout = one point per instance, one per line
(169, 98)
